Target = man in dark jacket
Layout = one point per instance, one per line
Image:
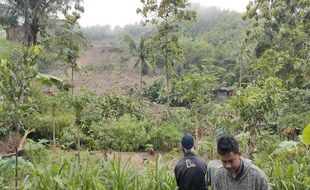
(190, 171)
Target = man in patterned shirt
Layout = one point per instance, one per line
(237, 173)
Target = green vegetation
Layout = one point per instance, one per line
(219, 74)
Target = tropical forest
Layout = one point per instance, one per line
(105, 108)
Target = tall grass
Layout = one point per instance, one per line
(68, 173)
(287, 167)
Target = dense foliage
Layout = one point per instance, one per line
(220, 74)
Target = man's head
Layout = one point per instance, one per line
(228, 149)
(187, 141)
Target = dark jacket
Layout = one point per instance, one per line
(190, 172)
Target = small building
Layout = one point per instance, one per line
(224, 92)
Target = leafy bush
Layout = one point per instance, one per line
(256, 101)
(43, 123)
(109, 106)
(7, 171)
(67, 174)
(181, 118)
(125, 134)
(103, 135)
(159, 176)
(286, 163)
(68, 138)
(4, 131)
(290, 166)
(222, 117)
(155, 92)
(294, 111)
(129, 134)
(36, 151)
(165, 137)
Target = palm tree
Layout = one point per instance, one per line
(139, 50)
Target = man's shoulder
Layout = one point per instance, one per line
(220, 172)
(214, 164)
(256, 171)
(179, 162)
(200, 159)
(193, 159)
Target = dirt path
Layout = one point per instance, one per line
(137, 158)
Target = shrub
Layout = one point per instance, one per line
(165, 137)
(155, 92)
(36, 150)
(110, 106)
(129, 134)
(68, 138)
(43, 123)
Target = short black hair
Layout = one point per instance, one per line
(227, 143)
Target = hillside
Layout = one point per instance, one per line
(104, 67)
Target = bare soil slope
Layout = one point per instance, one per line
(103, 68)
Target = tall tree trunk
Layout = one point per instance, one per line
(16, 159)
(72, 72)
(167, 75)
(240, 60)
(15, 140)
(54, 130)
(197, 123)
(26, 24)
(34, 27)
(78, 142)
(141, 82)
(240, 73)
(16, 166)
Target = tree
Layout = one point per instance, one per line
(167, 16)
(78, 105)
(196, 51)
(255, 104)
(17, 72)
(196, 87)
(139, 49)
(34, 15)
(64, 42)
(282, 30)
(60, 37)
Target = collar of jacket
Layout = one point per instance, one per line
(189, 153)
(240, 170)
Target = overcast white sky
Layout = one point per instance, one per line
(122, 12)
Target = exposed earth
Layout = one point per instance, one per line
(104, 68)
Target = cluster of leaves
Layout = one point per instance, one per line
(17, 74)
(257, 101)
(101, 122)
(286, 164)
(126, 133)
(281, 29)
